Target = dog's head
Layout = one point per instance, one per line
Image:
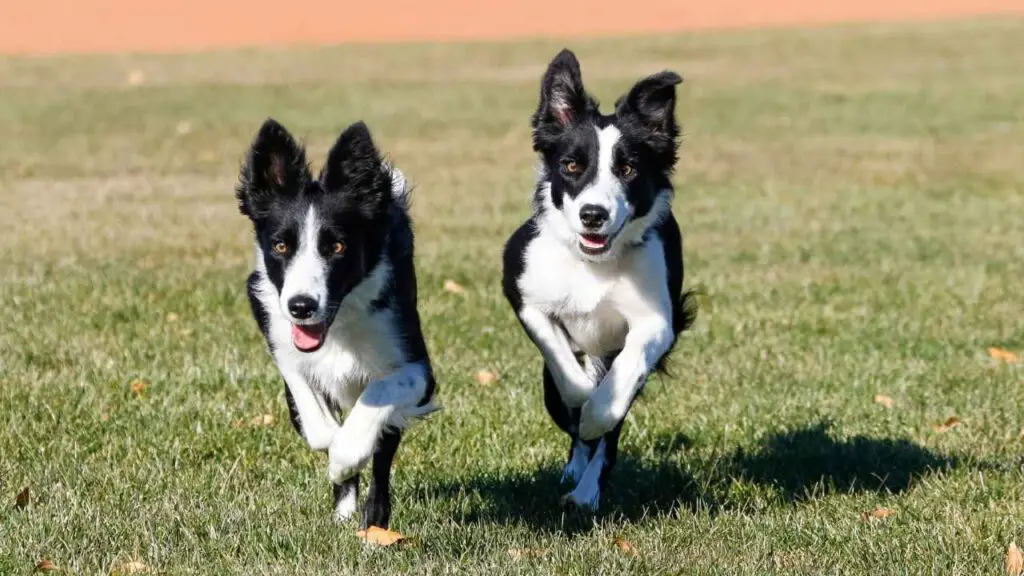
(318, 238)
(604, 178)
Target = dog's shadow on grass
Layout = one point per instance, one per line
(798, 465)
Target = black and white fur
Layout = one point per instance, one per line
(596, 274)
(334, 292)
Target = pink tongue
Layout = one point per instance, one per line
(307, 337)
(594, 240)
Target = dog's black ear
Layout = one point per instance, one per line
(275, 165)
(651, 106)
(355, 168)
(562, 97)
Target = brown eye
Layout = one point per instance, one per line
(570, 167)
(628, 170)
(339, 248)
(281, 248)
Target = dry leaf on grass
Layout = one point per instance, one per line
(453, 287)
(1004, 355)
(172, 317)
(136, 78)
(884, 400)
(138, 386)
(183, 127)
(878, 513)
(949, 424)
(520, 553)
(132, 567)
(380, 536)
(625, 546)
(263, 420)
(1014, 561)
(23, 498)
(486, 377)
(45, 565)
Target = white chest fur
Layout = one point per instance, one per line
(596, 302)
(361, 345)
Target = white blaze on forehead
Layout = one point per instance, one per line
(306, 274)
(607, 138)
(606, 190)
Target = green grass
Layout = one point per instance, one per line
(853, 208)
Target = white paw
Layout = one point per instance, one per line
(598, 417)
(345, 507)
(585, 500)
(348, 454)
(577, 464)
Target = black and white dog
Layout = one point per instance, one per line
(596, 274)
(334, 292)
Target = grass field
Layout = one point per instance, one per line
(853, 205)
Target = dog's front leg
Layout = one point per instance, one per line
(316, 422)
(646, 343)
(389, 402)
(574, 386)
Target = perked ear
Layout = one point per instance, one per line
(562, 97)
(354, 167)
(652, 102)
(275, 165)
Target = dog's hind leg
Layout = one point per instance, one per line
(377, 511)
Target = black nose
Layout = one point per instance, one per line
(301, 306)
(593, 216)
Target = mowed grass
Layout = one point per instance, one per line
(853, 210)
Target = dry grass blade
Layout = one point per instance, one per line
(263, 420)
(884, 400)
(380, 536)
(949, 424)
(172, 317)
(1014, 562)
(132, 567)
(1004, 356)
(22, 500)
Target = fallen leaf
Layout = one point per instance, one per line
(1014, 560)
(520, 553)
(104, 417)
(453, 287)
(136, 78)
(45, 565)
(486, 377)
(184, 127)
(23, 498)
(883, 400)
(139, 386)
(239, 423)
(949, 424)
(172, 317)
(380, 536)
(878, 513)
(263, 420)
(625, 546)
(132, 567)
(1004, 355)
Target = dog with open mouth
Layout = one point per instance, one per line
(595, 276)
(334, 293)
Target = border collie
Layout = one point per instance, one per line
(595, 275)
(334, 292)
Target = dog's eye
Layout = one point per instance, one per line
(339, 248)
(628, 171)
(570, 167)
(280, 248)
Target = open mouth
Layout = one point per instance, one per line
(594, 244)
(309, 338)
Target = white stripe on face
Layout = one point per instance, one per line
(606, 191)
(306, 274)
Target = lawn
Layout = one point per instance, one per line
(852, 200)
